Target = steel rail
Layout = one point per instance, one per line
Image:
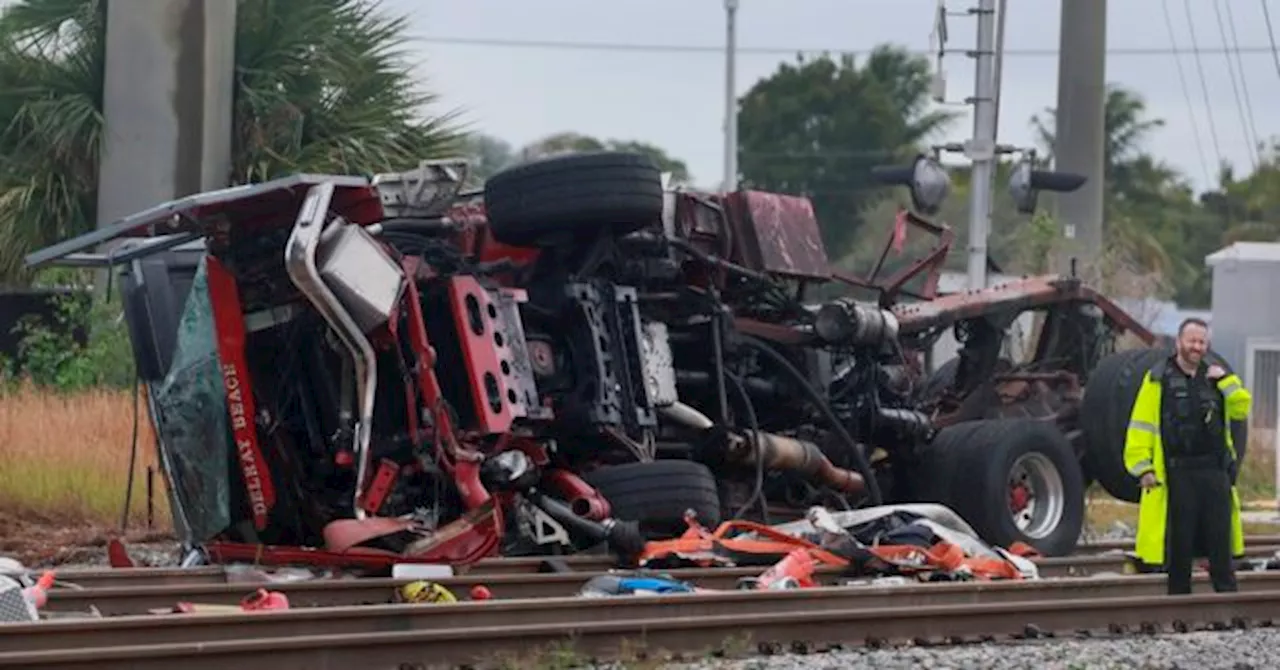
(490, 645)
(73, 634)
(124, 600)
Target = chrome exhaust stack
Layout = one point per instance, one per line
(355, 285)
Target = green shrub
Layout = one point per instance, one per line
(50, 355)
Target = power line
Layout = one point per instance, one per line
(1235, 88)
(1244, 80)
(887, 154)
(718, 50)
(1204, 86)
(1186, 93)
(1271, 35)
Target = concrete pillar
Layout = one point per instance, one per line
(1081, 132)
(167, 102)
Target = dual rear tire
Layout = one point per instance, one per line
(1013, 480)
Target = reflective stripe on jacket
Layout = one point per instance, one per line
(1144, 452)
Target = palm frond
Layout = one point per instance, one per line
(331, 90)
(52, 28)
(51, 54)
(320, 86)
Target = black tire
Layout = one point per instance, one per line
(658, 493)
(546, 201)
(971, 464)
(1108, 402)
(935, 480)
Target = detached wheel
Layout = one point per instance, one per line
(547, 201)
(1108, 401)
(658, 493)
(1015, 480)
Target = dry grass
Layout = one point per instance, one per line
(1106, 512)
(1258, 476)
(65, 458)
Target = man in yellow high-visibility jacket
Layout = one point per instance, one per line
(1178, 445)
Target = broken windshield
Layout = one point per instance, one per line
(191, 420)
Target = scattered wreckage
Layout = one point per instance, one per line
(879, 546)
(364, 372)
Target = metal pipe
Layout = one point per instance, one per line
(730, 96)
(874, 496)
(801, 457)
(1002, 15)
(982, 148)
(300, 261)
(686, 415)
(780, 452)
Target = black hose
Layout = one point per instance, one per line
(133, 453)
(860, 459)
(784, 300)
(712, 259)
(418, 226)
(757, 496)
(592, 531)
(717, 354)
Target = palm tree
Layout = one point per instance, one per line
(1124, 120)
(1135, 181)
(320, 86)
(819, 125)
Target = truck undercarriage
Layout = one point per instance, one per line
(366, 372)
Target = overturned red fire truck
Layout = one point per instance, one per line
(368, 371)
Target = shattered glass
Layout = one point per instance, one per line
(191, 420)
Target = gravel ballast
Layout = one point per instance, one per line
(1256, 649)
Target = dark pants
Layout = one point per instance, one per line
(1199, 508)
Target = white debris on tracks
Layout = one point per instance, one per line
(1256, 649)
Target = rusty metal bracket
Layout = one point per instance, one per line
(930, 264)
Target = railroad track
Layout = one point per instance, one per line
(153, 629)
(143, 597)
(485, 634)
(1256, 546)
(216, 574)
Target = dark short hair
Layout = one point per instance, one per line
(1192, 321)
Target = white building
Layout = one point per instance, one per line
(1246, 319)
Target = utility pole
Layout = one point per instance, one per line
(166, 105)
(167, 97)
(981, 150)
(1080, 126)
(730, 97)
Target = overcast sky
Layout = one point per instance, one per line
(675, 98)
